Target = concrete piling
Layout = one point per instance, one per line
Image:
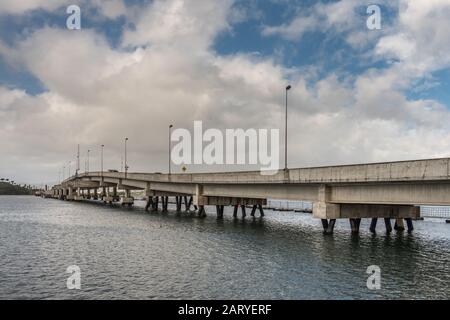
(354, 224)
(328, 226)
(235, 210)
(201, 212)
(373, 225)
(187, 203)
(261, 210)
(387, 222)
(178, 201)
(324, 224)
(243, 211)
(164, 203)
(398, 225)
(219, 209)
(253, 210)
(155, 204)
(409, 224)
(149, 203)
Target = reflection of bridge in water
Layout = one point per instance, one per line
(390, 190)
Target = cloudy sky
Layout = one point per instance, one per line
(357, 95)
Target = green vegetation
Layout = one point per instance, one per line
(12, 189)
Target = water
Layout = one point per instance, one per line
(130, 254)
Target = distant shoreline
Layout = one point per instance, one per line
(8, 189)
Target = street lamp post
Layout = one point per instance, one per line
(102, 159)
(78, 161)
(70, 162)
(285, 130)
(170, 159)
(126, 164)
(87, 168)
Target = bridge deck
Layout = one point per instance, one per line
(361, 190)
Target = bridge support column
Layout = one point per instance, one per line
(328, 226)
(201, 211)
(219, 209)
(164, 203)
(199, 199)
(155, 204)
(409, 223)
(398, 225)
(261, 210)
(354, 224)
(387, 222)
(253, 210)
(178, 200)
(235, 210)
(373, 225)
(69, 194)
(187, 203)
(149, 203)
(243, 211)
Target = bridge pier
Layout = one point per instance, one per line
(149, 203)
(164, 203)
(261, 210)
(187, 205)
(355, 212)
(235, 210)
(328, 226)
(387, 223)
(409, 223)
(253, 210)
(243, 211)
(201, 211)
(155, 204)
(219, 209)
(70, 195)
(354, 224)
(398, 225)
(373, 225)
(178, 201)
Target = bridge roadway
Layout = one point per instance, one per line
(388, 190)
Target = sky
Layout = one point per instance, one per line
(136, 66)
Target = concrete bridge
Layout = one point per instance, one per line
(389, 190)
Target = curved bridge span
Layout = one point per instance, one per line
(389, 190)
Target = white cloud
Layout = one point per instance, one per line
(340, 17)
(420, 41)
(107, 8)
(295, 29)
(187, 24)
(19, 7)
